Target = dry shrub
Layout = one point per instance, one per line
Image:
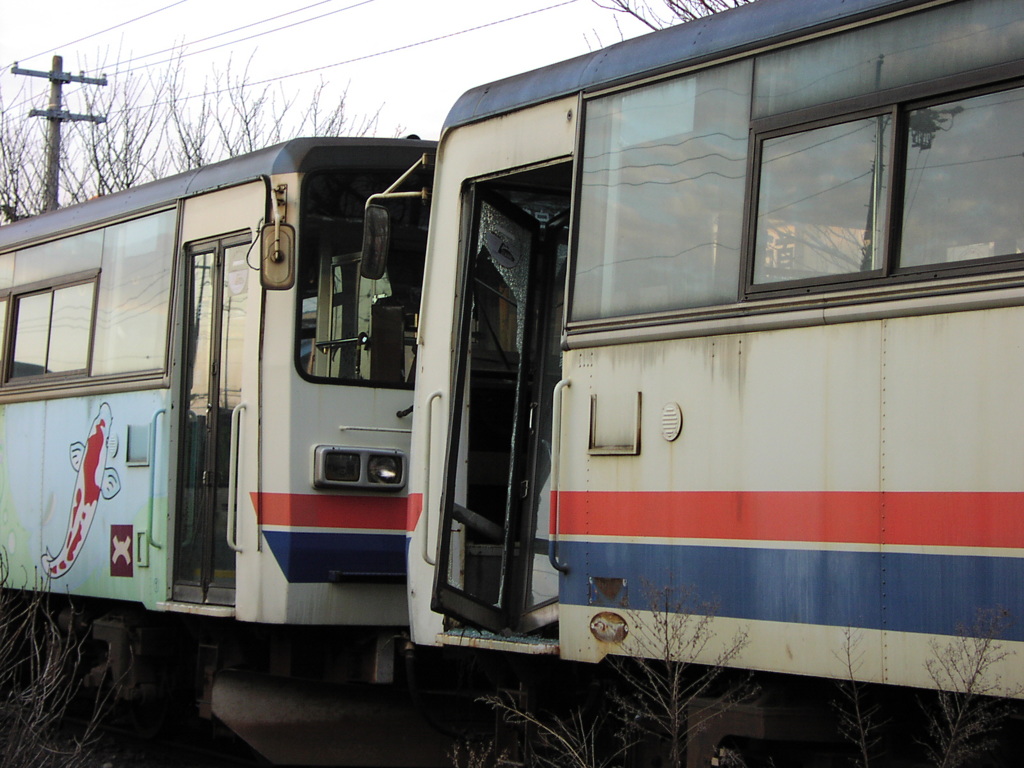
(37, 683)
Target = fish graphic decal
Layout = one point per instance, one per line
(95, 480)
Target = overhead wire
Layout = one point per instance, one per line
(211, 37)
(101, 32)
(376, 54)
(237, 29)
(312, 70)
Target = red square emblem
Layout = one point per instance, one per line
(122, 555)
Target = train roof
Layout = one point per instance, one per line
(297, 155)
(728, 33)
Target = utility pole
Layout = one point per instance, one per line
(56, 115)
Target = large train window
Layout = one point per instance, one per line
(661, 196)
(134, 293)
(92, 304)
(352, 329)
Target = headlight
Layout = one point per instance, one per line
(341, 467)
(384, 470)
(336, 466)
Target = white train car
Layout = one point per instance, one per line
(204, 427)
(730, 315)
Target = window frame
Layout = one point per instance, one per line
(14, 297)
(899, 103)
(304, 259)
(749, 289)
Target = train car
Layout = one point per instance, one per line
(730, 315)
(204, 431)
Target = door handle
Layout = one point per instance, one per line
(426, 477)
(556, 466)
(233, 451)
(151, 539)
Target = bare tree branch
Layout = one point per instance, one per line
(966, 714)
(666, 13)
(859, 719)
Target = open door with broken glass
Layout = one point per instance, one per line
(493, 568)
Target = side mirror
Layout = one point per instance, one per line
(277, 262)
(376, 242)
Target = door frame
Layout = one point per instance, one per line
(204, 589)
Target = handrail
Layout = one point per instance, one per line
(150, 539)
(556, 466)
(233, 449)
(425, 513)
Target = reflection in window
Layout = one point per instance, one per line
(352, 328)
(131, 318)
(946, 41)
(662, 195)
(31, 335)
(70, 329)
(57, 259)
(821, 202)
(964, 189)
(52, 330)
(3, 330)
(7, 271)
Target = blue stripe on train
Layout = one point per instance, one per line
(310, 557)
(936, 594)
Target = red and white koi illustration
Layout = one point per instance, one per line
(95, 480)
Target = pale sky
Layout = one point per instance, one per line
(349, 43)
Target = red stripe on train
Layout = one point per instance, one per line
(319, 511)
(956, 519)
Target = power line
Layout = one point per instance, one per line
(212, 37)
(243, 39)
(365, 57)
(231, 31)
(416, 45)
(101, 32)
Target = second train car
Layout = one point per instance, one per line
(734, 313)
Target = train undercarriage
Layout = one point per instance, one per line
(322, 696)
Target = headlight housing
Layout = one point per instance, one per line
(339, 466)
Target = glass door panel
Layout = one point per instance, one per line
(204, 569)
(493, 569)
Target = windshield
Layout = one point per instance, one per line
(352, 329)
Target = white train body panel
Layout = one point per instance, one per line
(850, 475)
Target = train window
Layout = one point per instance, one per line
(821, 201)
(52, 330)
(661, 195)
(134, 292)
(963, 194)
(56, 260)
(6, 271)
(353, 329)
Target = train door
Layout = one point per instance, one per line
(215, 310)
(493, 568)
